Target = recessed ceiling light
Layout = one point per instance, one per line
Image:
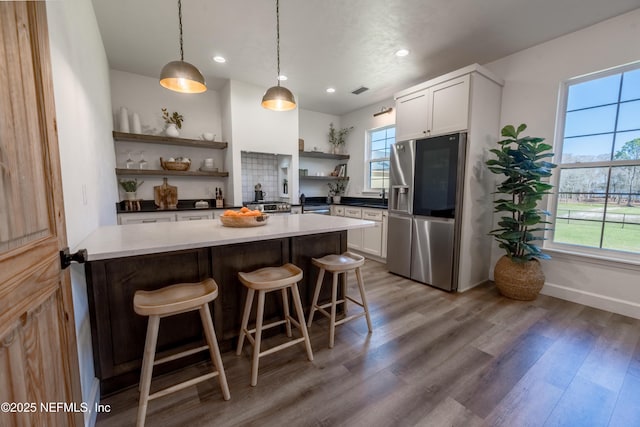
(330, 90)
(282, 77)
(219, 59)
(402, 52)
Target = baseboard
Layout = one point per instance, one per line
(94, 399)
(590, 299)
(473, 285)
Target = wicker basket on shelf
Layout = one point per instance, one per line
(175, 166)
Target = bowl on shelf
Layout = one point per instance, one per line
(175, 165)
(243, 221)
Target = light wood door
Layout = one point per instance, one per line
(38, 356)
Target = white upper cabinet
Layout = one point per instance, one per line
(412, 112)
(449, 110)
(434, 110)
(438, 106)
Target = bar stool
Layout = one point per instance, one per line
(338, 264)
(266, 280)
(168, 301)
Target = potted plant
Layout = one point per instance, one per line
(337, 137)
(518, 274)
(173, 121)
(130, 187)
(337, 189)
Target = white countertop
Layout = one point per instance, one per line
(117, 241)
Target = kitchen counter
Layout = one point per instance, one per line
(139, 239)
(126, 258)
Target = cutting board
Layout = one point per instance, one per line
(165, 195)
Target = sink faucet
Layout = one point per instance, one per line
(383, 195)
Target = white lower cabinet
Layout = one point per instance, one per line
(153, 217)
(370, 240)
(194, 216)
(372, 236)
(354, 237)
(146, 217)
(385, 229)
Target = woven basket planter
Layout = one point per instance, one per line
(521, 281)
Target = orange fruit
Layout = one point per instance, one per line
(244, 209)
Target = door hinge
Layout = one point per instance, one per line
(66, 258)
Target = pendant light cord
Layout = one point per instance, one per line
(277, 37)
(180, 22)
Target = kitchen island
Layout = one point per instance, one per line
(126, 258)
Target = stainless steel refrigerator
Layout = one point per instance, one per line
(425, 205)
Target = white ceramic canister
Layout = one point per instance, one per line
(135, 123)
(124, 120)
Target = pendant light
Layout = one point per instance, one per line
(180, 76)
(278, 98)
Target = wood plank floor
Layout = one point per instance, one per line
(434, 359)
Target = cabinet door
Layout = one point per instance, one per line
(449, 106)
(354, 238)
(372, 239)
(144, 218)
(412, 115)
(194, 216)
(385, 226)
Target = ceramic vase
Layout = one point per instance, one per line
(124, 120)
(135, 123)
(172, 130)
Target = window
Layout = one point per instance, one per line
(598, 179)
(377, 161)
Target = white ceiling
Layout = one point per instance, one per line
(344, 44)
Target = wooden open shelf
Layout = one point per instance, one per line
(320, 155)
(168, 140)
(322, 178)
(162, 172)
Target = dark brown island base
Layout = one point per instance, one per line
(118, 333)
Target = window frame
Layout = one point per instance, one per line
(368, 159)
(550, 245)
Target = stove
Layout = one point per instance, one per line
(270, 207)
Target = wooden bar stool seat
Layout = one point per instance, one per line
(169, 301)
(339, 264)
(266, 280)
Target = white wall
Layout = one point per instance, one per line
(202, 113)
(530, 95)
(362, 121)
(254, 128)
(83, 111)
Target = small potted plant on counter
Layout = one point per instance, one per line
(130, 187)
(337, 189)
(518, 274)
(173, 121)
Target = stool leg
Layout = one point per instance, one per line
(332, 323)
(214, 351)
(245, 319)
(285, 306)
(364, 298)
(298, 305)
(345, 281)
(257, 339)
(316, 294)
(147, 367)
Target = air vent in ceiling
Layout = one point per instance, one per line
(360, 90)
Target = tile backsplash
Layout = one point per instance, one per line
(259, 168)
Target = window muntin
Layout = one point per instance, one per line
(598, 177)
(377, 157)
